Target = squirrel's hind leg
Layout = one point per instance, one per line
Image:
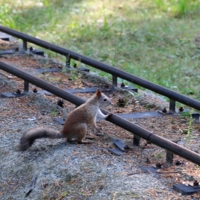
(78, 134)
(82, 131)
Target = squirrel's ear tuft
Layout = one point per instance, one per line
(98, 92)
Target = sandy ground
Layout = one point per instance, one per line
(55, 169)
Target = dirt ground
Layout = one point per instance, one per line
(55, 169)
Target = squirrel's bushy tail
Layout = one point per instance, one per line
(30, 135)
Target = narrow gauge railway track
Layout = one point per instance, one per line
(137, 131)
(173, 96)
(171, 147)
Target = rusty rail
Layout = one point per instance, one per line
(173, 96)
(171, 147)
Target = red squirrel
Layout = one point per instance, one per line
(75, 126)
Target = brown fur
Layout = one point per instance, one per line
(75, 127)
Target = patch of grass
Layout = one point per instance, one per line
(150, 39)
(5, 18)
(176, 7)
(190, 125)
(54, 113)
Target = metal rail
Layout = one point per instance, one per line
(173, 96)
(171, 147)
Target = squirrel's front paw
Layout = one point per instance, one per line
(108, 115)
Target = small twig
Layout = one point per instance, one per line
(165, 172)
(32, 186)
(47, 190)
(130, 174)
(62, 196)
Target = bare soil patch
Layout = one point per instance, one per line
(73, 171)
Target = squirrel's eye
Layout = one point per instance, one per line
(105, 99)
